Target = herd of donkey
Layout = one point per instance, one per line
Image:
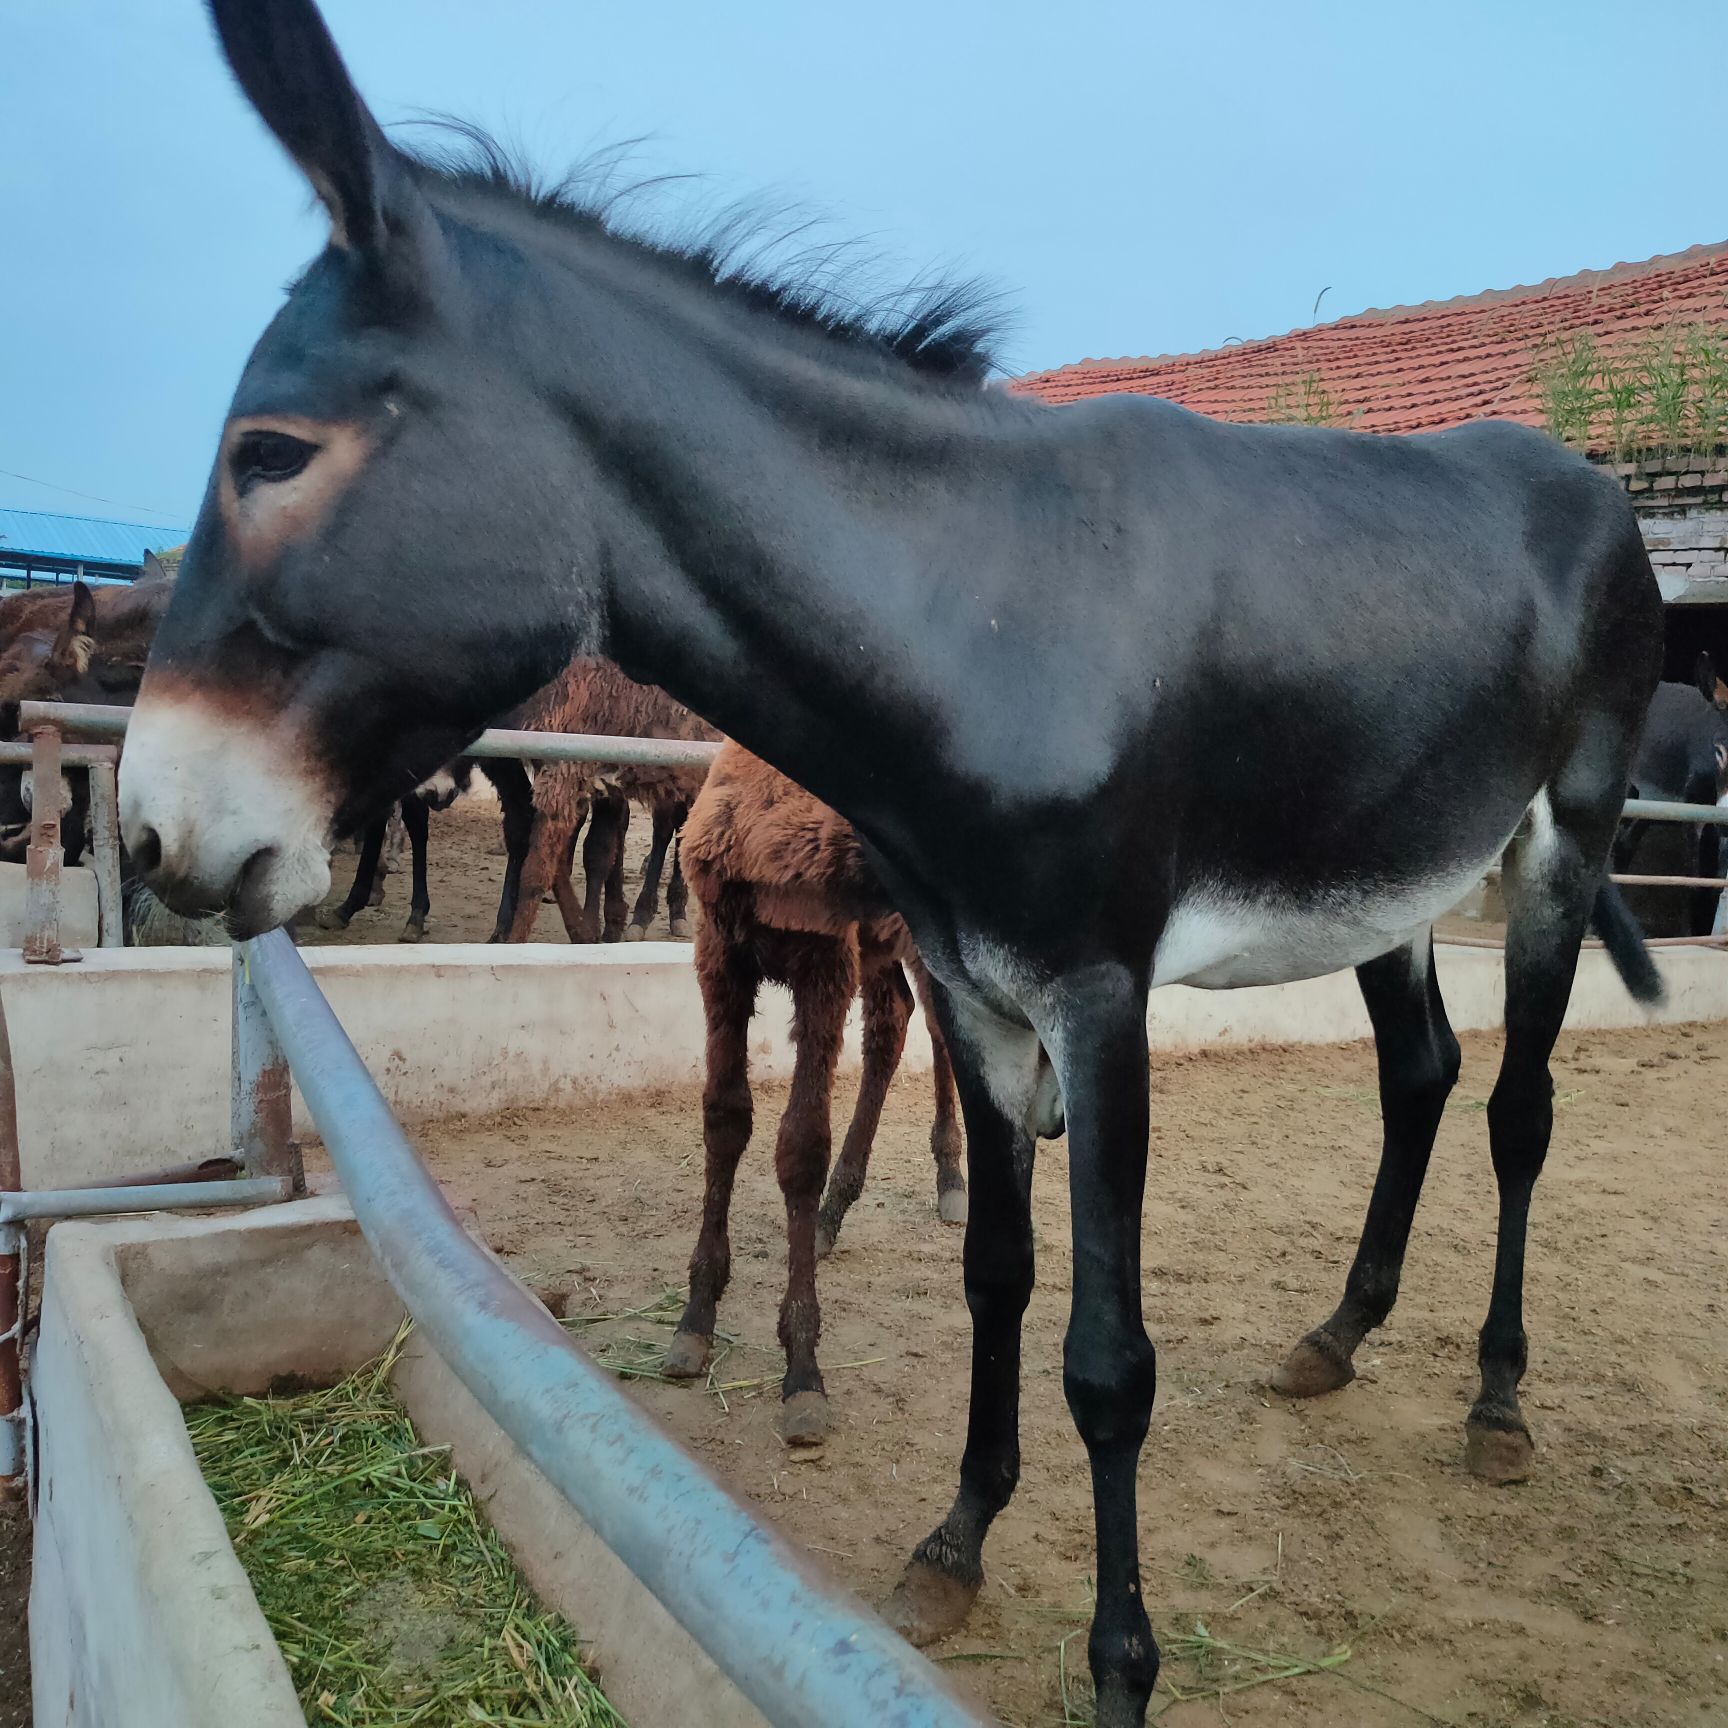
(785, 895)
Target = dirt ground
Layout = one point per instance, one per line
(464, 873)
(1596, 1593)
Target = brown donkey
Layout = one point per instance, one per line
(594, 696)
(787, 898)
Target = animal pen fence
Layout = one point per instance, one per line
(799, 1650)
(796, 1649)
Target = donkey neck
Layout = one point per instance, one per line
(784, 516)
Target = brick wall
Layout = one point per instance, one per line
(1682, 506)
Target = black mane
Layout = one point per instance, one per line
(941, 327)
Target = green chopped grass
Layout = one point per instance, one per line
(393, 1601)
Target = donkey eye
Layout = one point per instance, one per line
(269, 456)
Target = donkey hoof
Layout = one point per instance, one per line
(329, 918)
(687, 1356)
(412, 933)
(634, 933)
(804, 1419)
(1120, 1705)
(681, 929)
(929, 1603)
(1499, 1448)
(826, 1237)
(1315, 1366)
(951, 1205)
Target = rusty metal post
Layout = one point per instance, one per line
(260, 1100)
(42, 946)
(12, 1298)
(105, 848)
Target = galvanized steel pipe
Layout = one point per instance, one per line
(592, 747)
(1663, 810)
(97, 721)
(161, 1197)
(803, 1654)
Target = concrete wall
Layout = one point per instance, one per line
(140, 1614)
(122, 1060)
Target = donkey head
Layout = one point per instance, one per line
(50, 648)
(386, 464)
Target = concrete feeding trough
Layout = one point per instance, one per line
(141, 1615)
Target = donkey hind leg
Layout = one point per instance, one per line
(1418, 1059)
(667, 814)
(823, 975)
(416, 818)
(601, 849)
(1550, 879)
(677, 889)
(887, 1008)
(996, 1066)
(603, 866)
(729, 976)
(563, 889)
(945, 1140)
(548, 844)
(365, 874)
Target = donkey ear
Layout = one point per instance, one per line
(1704, 676)
(77, 639)
(154, 569)
(288, 67)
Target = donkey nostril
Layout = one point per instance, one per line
(146, 849)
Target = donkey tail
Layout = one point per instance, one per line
(1623, 939)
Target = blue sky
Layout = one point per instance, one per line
(1137, 178)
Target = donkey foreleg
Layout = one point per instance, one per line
(823, 975)
(516, 806)
(678, 891)
(729, 980)
(1094, 1026)
(996, 1066)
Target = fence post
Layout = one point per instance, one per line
(12, 1247)
(105, 850)
(260, 1098)
(43, 859)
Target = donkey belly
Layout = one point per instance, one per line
(1220, 937)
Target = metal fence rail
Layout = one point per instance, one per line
(800, 1652)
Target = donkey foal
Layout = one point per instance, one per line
(787, 898)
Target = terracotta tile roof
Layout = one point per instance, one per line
(1420, 368)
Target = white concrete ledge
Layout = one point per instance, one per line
(77, 906)
(122, 1060)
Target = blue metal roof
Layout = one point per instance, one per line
(102, 542)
